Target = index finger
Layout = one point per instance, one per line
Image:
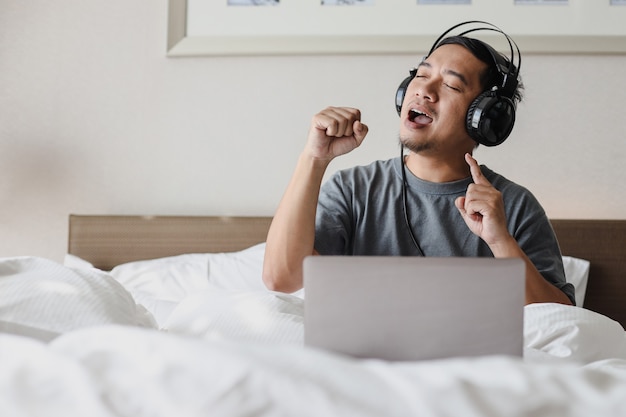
(477, 174)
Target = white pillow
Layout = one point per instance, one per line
(241, 270)
(558, 331)
(243, 316)
(160, 284)
(41, 298)
(75, 262)
(577, 273)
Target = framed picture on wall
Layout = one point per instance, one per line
(543, 2)
(253, 2)
(444, 1)
(347, 2)
(280, 27)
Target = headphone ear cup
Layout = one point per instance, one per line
(490, 118)
(401, 91)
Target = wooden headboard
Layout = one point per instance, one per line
(603, 244)
(106, 241)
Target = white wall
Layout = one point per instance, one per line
(94, 119)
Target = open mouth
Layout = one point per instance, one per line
(417, 116)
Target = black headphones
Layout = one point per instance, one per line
(491, 116)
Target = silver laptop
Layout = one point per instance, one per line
(414, 308)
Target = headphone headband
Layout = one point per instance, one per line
(511, 70)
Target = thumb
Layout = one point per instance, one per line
(360, 131)
(460, 205)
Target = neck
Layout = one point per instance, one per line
(435, 169)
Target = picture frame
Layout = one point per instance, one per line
(306, 27)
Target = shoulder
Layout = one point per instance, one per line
(520, 204)
(501, 182)
(374, 172)
(373, 167)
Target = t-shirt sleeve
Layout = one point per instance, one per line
(332, 222)
(537, 239)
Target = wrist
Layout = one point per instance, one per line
(310, 170)
(506, 248)
(314, 163)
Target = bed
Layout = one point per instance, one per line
(166, 315)
(107, 241)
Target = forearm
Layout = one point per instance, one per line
(334, 131)
(291, 235)
(538, 290)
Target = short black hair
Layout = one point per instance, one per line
(485, 53)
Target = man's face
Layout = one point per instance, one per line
(437, 99)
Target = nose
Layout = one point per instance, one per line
(425, 88)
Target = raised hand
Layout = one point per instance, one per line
(335, 131)
(482, 207)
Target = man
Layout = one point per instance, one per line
(435, 201)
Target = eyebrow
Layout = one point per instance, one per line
(456, 74)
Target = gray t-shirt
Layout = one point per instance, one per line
(360, 212)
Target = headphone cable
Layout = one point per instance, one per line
(405, 204)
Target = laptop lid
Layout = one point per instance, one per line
(413, 308)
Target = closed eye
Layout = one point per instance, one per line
(452, 87)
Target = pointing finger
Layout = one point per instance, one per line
(477, 174)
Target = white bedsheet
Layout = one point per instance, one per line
(238, 352)
(126, 371)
